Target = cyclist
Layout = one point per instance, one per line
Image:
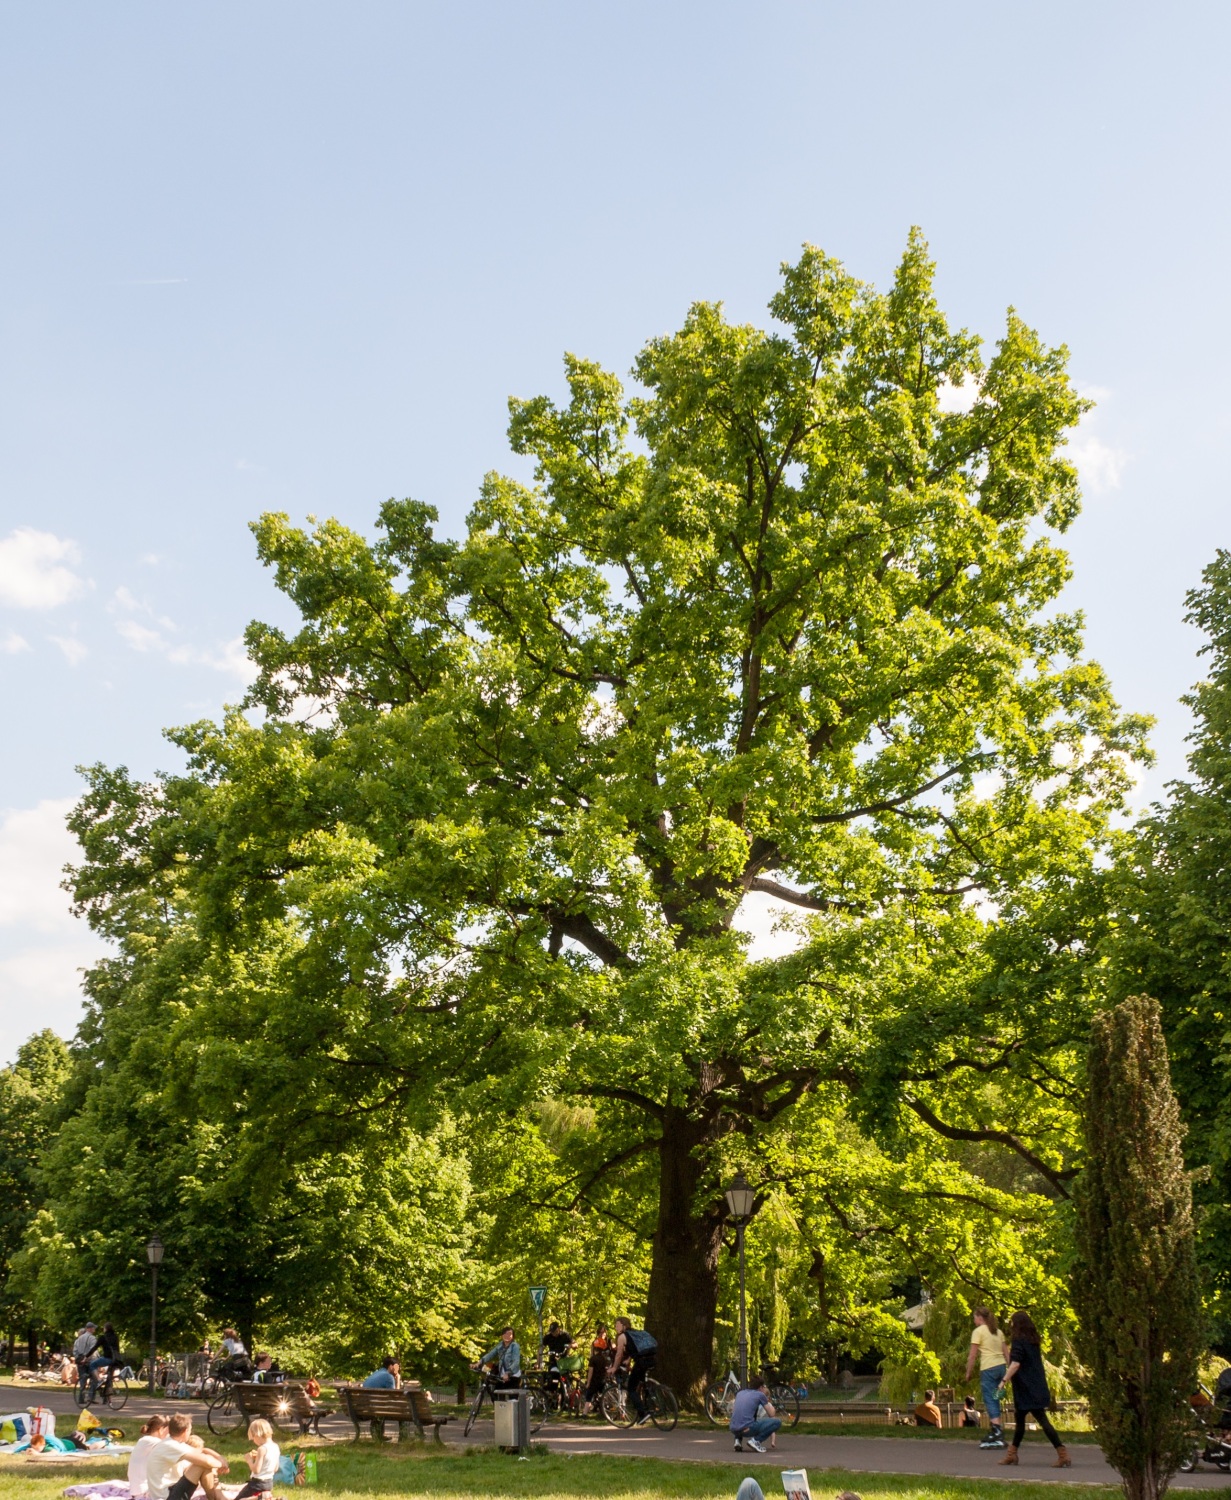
(558, 1341)
(104, 1356)
(83, 1346)
(503, 1361)
(235, 1362)
(637, 1351)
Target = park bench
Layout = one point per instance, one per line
(281, 1405)
(410, 1407)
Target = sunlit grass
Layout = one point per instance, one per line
(412, 1471)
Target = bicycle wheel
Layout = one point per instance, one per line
(117, 1398)
(718, 1404)
(472, 1415)
(222, 1415)
(79, 1391)
(785, 1401)
(664, 1408)
(615, 1406)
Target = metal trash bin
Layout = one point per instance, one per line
(513, 1420)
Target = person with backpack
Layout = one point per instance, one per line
(637, 1352)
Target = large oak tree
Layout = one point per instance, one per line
(780, 624)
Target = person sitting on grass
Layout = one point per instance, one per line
(179, 1462)
(747, 1423)
(970, 1413)
(153, 1431)
(263, 1460)
(927, 1413)
(387, 1378)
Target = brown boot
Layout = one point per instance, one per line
(1063, 1461)
(1010, 1454)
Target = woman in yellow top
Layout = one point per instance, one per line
(988, 1347)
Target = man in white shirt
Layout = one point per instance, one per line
(175, 1466)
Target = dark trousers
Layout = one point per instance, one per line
(637, 1371)
(1044, 1421)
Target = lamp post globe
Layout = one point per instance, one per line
(740, 1199)
(153, 1253)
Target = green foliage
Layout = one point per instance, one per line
(1135, 1284)
(30, 1098)
(1174, 937)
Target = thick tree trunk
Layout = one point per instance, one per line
(683, 1296)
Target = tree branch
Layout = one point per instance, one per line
(799, 898)
(1056, 1177)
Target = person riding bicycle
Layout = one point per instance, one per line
(104, 1356)
(503, 1361)
(235, 1362)
(557, 1341)
(83, 1346)
(637, 1351)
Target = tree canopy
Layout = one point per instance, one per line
(470, 864)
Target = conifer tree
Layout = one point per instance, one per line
(1135, 1285)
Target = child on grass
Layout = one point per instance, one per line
(263, 1460)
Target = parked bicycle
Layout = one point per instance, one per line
(563, 1385)
(659, 1401)
(720, 1398)
(487, 1393)
(224, 1413)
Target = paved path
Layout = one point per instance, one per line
(866, 1455)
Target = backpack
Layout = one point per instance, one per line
(642, 1342)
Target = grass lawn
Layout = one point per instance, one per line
(347, 1473)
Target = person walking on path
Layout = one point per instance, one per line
(1031, 1397)
(988, 1348)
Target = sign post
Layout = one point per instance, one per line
(538, 1295)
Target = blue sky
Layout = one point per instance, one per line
(297, 256)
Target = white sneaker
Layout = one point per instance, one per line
(755, 1445)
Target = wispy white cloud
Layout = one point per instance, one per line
(958, 398)
(42, 945)
(13, 643)
(230, 657)
(1100, 465)
(246, 466)
(141, 637)
(75, 651)
(33, 571)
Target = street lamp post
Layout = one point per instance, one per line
(739, 1201)
(153, 1253)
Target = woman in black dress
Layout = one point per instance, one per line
(1031, 1398)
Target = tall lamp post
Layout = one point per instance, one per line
(739, 1201)
(153, 1253)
